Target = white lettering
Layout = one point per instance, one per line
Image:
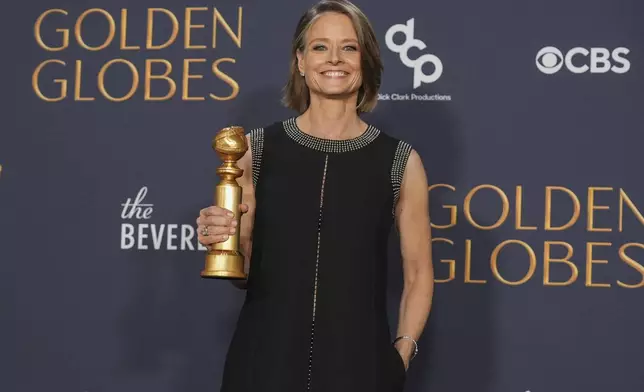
(171, 236)
(625, 64)
(599, 60)
(157, 235)
(136, 208)
(187, 232)
(549, 60)
(572, 67)
(142, 236)
(127, 236)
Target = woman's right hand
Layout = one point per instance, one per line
(216, 224)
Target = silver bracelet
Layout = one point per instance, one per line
(408, 338)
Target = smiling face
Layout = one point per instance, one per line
(330, 58)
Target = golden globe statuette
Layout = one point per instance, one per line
(224, 260)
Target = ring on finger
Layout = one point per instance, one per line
(204, 231)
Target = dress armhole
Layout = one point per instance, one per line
(257, 148)
(398, 170)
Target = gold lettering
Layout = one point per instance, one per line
(101, 80)
(638, 267)
(592, 207)
(124, 32)
(38, 35)
(187, 76)
(590, 261)
(468, 264)
(452, 208)
(189, 26)
(150, 29)
(623, 198)
(77, 83)
(519, 212)
(229, 81)
(237, 39)
(451, 262)
(36, 86)
(548, 215)
(110, 36)
(494, 262)
(149, 77)
(547, 259)
(504, 200)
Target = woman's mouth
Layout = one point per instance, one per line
(335, 74)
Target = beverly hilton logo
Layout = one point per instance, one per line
(139, 233)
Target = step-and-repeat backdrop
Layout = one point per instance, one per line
(528, 116)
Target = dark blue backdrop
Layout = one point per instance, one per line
(99, 295)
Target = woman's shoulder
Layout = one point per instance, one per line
(269, 126)
(390, 138)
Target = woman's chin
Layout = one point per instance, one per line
(337, 93)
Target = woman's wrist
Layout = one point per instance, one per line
(407, 347)
(404, 347)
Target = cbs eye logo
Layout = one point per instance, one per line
(579, 60)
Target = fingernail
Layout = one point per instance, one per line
(230, 214)
(232, 230)
(234, 223)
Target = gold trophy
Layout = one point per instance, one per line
(224, 260)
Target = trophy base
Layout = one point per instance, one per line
(224, 264)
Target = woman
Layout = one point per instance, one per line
(321, 193)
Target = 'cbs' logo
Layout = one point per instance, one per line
(403, 49)
(549, 60)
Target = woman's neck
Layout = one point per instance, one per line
(332, 119)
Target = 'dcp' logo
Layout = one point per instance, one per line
(403, 51)
(550, 60)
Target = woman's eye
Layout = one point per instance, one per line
(350, 48)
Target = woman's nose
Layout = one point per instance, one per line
(334, 55)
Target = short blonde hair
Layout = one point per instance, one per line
(296, 92)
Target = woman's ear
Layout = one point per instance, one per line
(300, 62)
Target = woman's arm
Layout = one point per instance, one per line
(412, 219)
(247, 218)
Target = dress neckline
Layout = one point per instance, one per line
(329, 145)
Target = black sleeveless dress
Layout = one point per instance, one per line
(314, 318)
